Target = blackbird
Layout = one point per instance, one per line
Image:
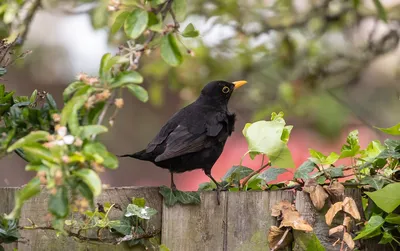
(194, 137)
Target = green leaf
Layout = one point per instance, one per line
(103, 68)
(119, 21)
(170, 51)
(89, 130)
(3, 71)
(32, 137)
(393, 218)
(50, 100)
(31, 189)
(386, 198)
(154, 23)
(179, 8)
(319, 158)
(141, 212)
(190, 31)
(123, 226)
(69, 113)
(377, 182)
(335, 172)
(187, 197)
(136, 23)
(32, 99)
(265, 137)
(139, 92)
(307, 241)
(162, 247)
(95, 150)
(352, 147)
(207, 186)
(114, 61)
(58, 203)
(303, 171)
(36, 151)
(123, 78)
(394, 130)
(91, 178)
(387, 237)
(140, 202)
(372, 228)
(236, 173)
(381, 10)
(168, 195)
(271, 174)
(85, 191)
(71, 88)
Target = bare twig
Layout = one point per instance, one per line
(281, 240)
(254, 173)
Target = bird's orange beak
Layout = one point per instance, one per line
(239, 83)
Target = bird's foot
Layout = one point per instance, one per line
(218, 195)
(173, 187)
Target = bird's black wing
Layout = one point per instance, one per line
(183, 140)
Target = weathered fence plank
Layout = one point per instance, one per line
(43, 240)
(249, 218)
(196, 227)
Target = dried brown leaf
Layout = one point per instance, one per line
(294, 220)
(318, 197)
(335, 191)
(275, 235)
(277, 209)
(350, 207)
(348, 240)
(335, 230)
(347, 222)
(332, 212)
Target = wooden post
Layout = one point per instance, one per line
(7, 196)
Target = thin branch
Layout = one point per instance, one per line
(20, 24)
(281, 240)
(254, 173)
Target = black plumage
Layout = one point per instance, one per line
(195, 136)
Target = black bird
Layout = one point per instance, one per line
(194, 137)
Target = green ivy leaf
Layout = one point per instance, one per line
(140, 202)
(393, 218)
(3, 71)
(28, 191)
(372, 228)
(170, 51)
(377, 182)
(58, 203)
(8, 230)
(373, 149)
(236, 173)
(207, 186)
(335, 172)
(136, 23)
(139, 92)
(187, 197)
(141, 212)
(162, 247)
(381, 10)
(32, 137)
(271, 174)
(303, 171)
(387, 237)
(87, 131)
(91, 178)
(352, 147)
(319, 158)
(386, 198)
(168, 195)
(123, 78)
(307, 241)
(179, 8)
(190, 31)
(394, 130)
(119, 21)
(265, 137)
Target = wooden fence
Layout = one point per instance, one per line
(240, 223)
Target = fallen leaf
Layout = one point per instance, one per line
(335, 191)
(348, 240)
(277, 209)
(293, 219)
(347, 223)
(335, 230)
(350, 207)
(332, 212)
(275, 234)
(317, 193)
(290, 216)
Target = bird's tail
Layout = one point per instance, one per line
(138, 155)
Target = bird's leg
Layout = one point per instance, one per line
(173, 186)
(217, 184)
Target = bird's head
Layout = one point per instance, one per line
(220, 91)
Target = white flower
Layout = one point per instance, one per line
(68, 139)
(62, 131)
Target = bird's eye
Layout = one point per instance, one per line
(226, 89)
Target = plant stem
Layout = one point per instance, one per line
(281, 240)
(254, 173)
